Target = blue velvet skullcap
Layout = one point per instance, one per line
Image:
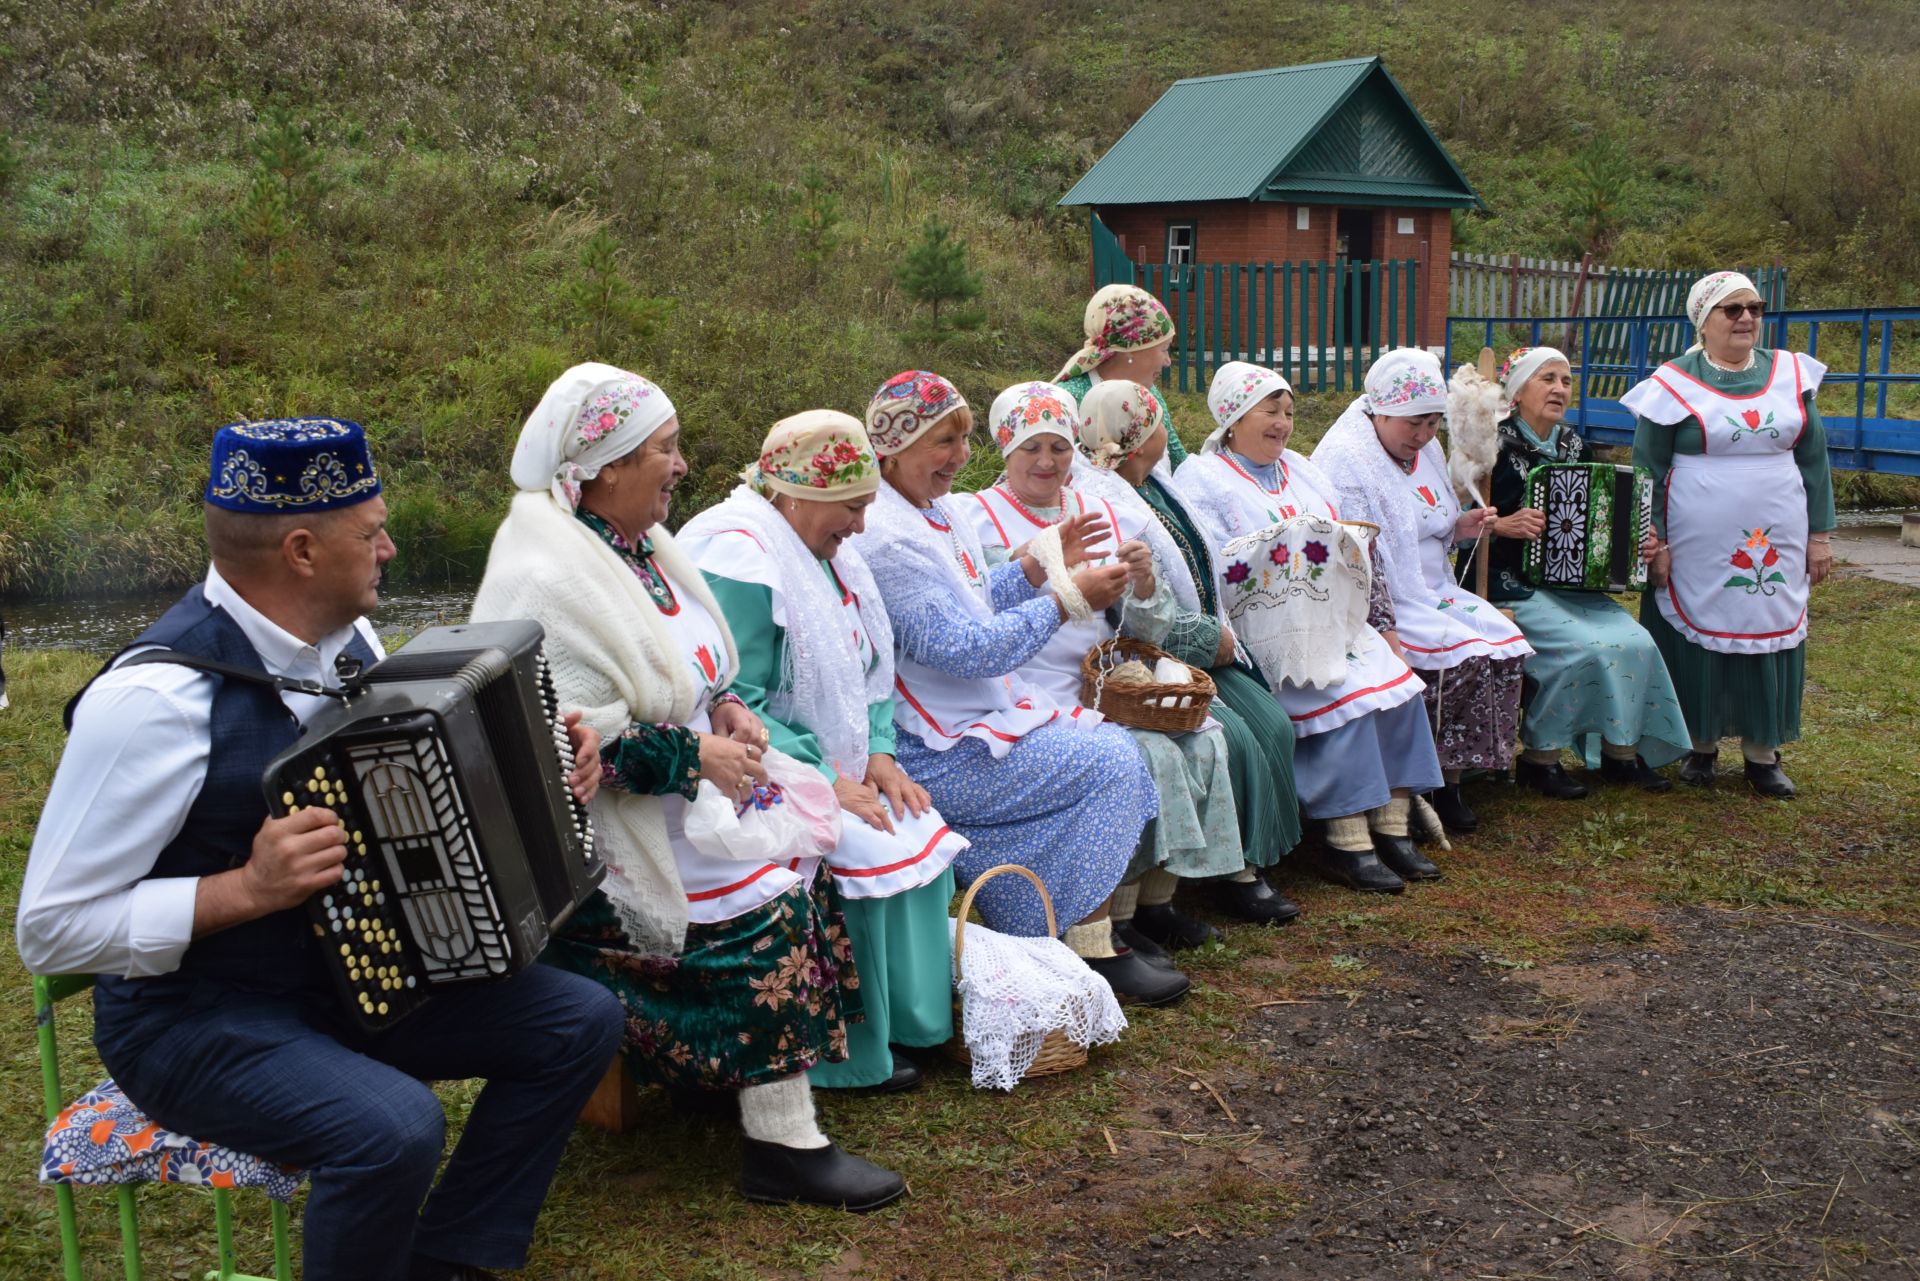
(289, 465)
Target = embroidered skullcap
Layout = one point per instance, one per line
(821, 455)
(592, 415)
(1406, 383)
(289, 465)
(905, 406)
(1026, 410)
(1119, 318)
(1117, 419)
(1710, 291)
(1523, 364)
(1237, 387)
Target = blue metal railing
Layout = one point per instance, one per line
(1612, 353)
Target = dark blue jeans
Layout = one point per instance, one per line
(290, 1080)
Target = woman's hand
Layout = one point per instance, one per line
(862, 801)
(584, 778)
(905, 795)
(1526, 524)
(1393, 643)
(1224, 654)
(1138, 558)
(1100, 584)
(1082, 538)
(1472, 523)
(1651, 546)
(1659, 567)
(1819, 561)
(732, 720)
(730, 766)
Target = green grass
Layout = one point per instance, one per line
(996, 1177)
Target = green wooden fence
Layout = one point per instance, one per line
(1320, 324)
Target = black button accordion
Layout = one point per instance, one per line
(1597, 514)
(447, 766)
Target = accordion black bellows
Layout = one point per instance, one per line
(447, 767)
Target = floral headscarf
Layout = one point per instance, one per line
(1709, 292)
(821, 455)
(1237, 387)
(905, 406)
(1117, 418)
(592, 415)
(1027, 410)
(1523, 364)
(1119, 318)
(1406, 383)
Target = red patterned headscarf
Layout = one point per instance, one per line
(905, 406)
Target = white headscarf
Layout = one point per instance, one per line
(1026, 410)
(1522, 365)
(1117, 418)
(1237, 387)
(592, 415)
(1709, 292)
(1407, 383)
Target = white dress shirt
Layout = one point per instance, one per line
(134, 763)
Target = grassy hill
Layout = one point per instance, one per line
(216, 210)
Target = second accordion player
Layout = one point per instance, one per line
(1597, 514)
(447, 765)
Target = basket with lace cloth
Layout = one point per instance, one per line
(1177, 708)
(1023, 1007)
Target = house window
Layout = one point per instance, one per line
(1406, 226)
(1301, 222)
(1180, 244)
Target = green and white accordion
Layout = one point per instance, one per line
(1597, 514)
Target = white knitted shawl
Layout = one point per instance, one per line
(914, 563)
(1372, 487)
(613, 656)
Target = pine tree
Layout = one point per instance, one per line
(935, 271)
(603, 304)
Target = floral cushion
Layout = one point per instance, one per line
(102, 1138)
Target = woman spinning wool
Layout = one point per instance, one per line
(816, 664)
(1362, 745)
(1123, 438)
(734, 976)
(1387, 468)
(1035, 425)
(1024, 780)
(1744, 498)
(1596, 674)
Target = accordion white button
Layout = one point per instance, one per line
(286, 798)
(345, 950)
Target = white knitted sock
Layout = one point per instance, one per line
(781, 1112)
(1157, 887)
(1615, 752)
(1245, 876)
(1759, 753)
(1120, 907)
(1091, 941)
(1349, 833)
(1389, 819)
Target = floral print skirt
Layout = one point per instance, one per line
(1475, 710)
(762, 996)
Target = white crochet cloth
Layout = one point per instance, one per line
(1013, 991)
(1297, 592)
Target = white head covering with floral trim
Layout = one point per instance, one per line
(1119, 318)
(1117, 418)
(1026, 410)
(592, 415)
(1709, 292)
(1237, 387)
(821, 455)
(1523, 364)
(1407, 383)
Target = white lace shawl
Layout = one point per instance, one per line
(913, 563)
(821, 686)
(1371, 487)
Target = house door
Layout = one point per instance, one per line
(1353, 241)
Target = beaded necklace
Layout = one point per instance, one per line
(953, 540)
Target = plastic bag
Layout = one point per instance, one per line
(794, 814)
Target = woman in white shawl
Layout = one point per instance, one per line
(1048, 787)
(734, 976)
(1036, 426)
(1362, 744)
(1387, 468)
(816, 664)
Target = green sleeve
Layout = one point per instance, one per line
(1653, 450)
(880, 732)
(1194, 638)
(748, 609)
(1816, 471)
(1176, 452)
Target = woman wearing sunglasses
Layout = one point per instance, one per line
(1743, 498)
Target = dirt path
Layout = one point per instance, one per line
(1741, 1100)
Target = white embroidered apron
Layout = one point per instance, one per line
(941, 709)
(1445, 624)
(1376, 678)
(1737, 517)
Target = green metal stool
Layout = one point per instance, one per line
(46, 992)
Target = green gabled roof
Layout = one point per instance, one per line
(1324, 132)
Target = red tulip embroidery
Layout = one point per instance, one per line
(1760, 575)
(708, 668)
(1750, 423)
(1427, 494)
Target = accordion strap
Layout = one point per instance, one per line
(233, 671)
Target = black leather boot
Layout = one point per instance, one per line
(781, 1175)
(1770, 780)
(1634, 773)
(906, 1076)
(1452, 808)
(1549, 780)
(1170, 929)
(1134, 982)
(1128, 939)
(1256, 901)
(1357, 870)
(1699, 768)
(1404, 858)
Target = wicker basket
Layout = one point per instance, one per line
(1142, 706)
(1058, 1052)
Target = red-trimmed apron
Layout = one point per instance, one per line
(1445, 624)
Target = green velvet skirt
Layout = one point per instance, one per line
(1260, 762)
(762, 996)
(905, 957)
(1754, 696)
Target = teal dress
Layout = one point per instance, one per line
(900, 943)
(1748, 696)
(1594, 675)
